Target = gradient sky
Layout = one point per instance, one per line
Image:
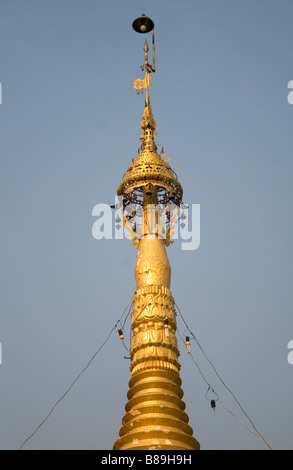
(70, 126)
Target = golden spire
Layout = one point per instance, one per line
(155, 417)
(148, 127)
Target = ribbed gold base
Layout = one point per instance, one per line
(155, 417)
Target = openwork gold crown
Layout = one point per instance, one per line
(149, 168)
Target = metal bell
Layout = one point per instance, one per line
(143, 24)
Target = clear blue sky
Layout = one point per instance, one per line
(69, 129)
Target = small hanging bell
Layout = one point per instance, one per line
(187, 342)
(120, 333)
(213, 405)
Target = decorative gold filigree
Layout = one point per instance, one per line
(140, 84)
(150, 169)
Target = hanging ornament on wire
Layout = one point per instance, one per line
(212, 397)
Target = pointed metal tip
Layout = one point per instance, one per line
(146, 46)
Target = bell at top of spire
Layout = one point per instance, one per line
(143, 24)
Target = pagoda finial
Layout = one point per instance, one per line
(150, 191)
(143, 24)
(148, 127)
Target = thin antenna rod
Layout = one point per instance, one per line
(154, 62)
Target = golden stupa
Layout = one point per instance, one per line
(150, 194)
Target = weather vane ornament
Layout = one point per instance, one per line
(143, 24)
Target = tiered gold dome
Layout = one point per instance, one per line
(150, 168)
